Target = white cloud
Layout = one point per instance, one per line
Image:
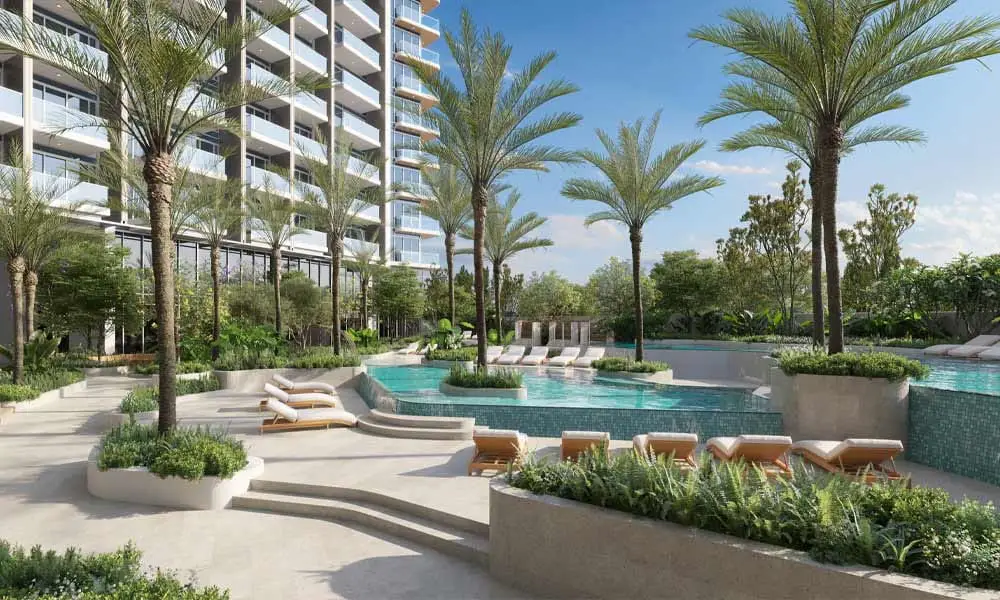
(967, 223)
(577, 249)
(714, 167)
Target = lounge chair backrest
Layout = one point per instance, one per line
(498, 350)
(283, 410)
(858, 453)
(505, 442)
(681, 445)
(283, 381)
(594, 352)
(540, 351)
(761, 448)
(983, 340)
(515, 350)
(570, 352)
(276, 392)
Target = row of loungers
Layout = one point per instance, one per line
(296, 405)
(985, 347)
(570, 356)
(496, 449)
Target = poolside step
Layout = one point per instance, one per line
(422, 422)
(442, 537)
(373, 424)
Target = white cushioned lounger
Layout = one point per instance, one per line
(537, 356)
(565, 358)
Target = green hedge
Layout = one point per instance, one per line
(481, 378)
(184, 452)
(10, 392)
(146, 399)
(459, 354)
(323, 359)
(883, 365)
(50, 575)
(36, 383)
(918, 531)
(627, 365)
(315, 359)
(183, 367)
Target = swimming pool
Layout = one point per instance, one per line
(963, 375)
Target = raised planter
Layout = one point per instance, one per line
(106, 371)
(559, 548)
(45, 397)
(252, 381)
(520, 393)
(830, 407)
(661, 377)
(116, 418)
(138, 485)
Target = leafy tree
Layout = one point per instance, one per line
(609, 290)
(397, 294)
(439, 300)
(366, 263)
(872, 245)
(486, 127)
(743, 271)
(550, 296)
(305, 303)
(687, 284)
(273, 218)
(451, 206)
(511, 287)
(636, 187)
(832, 65)
(249, 304)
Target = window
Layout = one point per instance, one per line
(258, 111)
(258, 160)
(59, 25)
(64, 96)
(305, 42)
(407, 41)
(408, 106)
(303, 175)
(405, 140)
(253, 60)
(209, 142)
(187, 259)
(57, 164)
(405, 248)
(405, 175)
(305, 131)
(404, 76)
(134, 247)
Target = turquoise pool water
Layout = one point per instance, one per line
(691, 346)
(963, 375)
(558, 388)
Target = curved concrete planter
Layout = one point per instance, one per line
(448, 364)
(46, 397)
(252, 381)
(661, 377)
(142, 487)
(520, 393)
(830, 407)
(116, 418)
(617, 555)
(106, 371)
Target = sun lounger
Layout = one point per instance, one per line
(566, 357)
(679, 445)
(303, 400)
(410, 349)
(287, 418)
(970, 350)
(496, 449)
(765, 451)
(853, 457)
(493, 353)
(593, 353)
(303, 387)
(466, 335)
(538, 355)
(991, 354)
(511, 356)
(575, 443)
(978, 341)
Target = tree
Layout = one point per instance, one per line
(305, 303)
(872, 245)
(397, 294)
(506, 237)
(834, 65)
(636, 187)
(450, 205)
(609, 289)
(743, 273)
(273, 217)
(549, 296)
(486, 131)
(339, 192)
(366, 263)
(511, 287)
(687, 284)
(439, 299)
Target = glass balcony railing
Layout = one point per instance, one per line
(353, 42)
(263, 179)
(421, 190)
(357, 85)
(430, 22)
(203, 103)
(364, 170)
(87, 49)
(362, 9)
(310, 147)
(311, 102)
(262, 76)
(430, 56)
(62, 119)
(68, 191)
(411, 84)
(410, 12)
(416, 257)
(307, 54)
(314, 14)
(204, 161)
(267, 129)
(416, 121)
(370, 213)
(309, 237)
(415, 223)
(355, 125)
(418, 156)
(303, 189)
(277, 36)
(354, 246)
(11, 102)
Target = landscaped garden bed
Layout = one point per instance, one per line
(626, 368)
(499, 383)
(141, 405)
(39, 388)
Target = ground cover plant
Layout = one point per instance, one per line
(459, 354)
(35, 384)
(189, 453)
(481, 378)
(627, 365)
(183, 367)
(882, 365)
(146, 399)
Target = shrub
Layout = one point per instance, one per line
(481, 378)
(323, 359)
(10, 392)
(917, 531)
(118, 575)
(460, 354)
(627, 365)
(183, 367)
(184, 452)
(236, 361)
(146, 399)
(883, 365)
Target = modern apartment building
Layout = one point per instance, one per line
(365, 46)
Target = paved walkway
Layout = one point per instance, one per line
(43, 500)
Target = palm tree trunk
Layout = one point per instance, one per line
(15, 270)
(449, 253)
(480, 197)
(364, 302)
(496, 299)
(276, 282)
(635, 236)
(158, 173)
(30, 292)
(818, 329)
(336, 251)
(831, 142)
(216, 319)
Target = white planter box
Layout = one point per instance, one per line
(105, 371)
(46, 397)
(252, 381)
(140, 486)
(520, 393)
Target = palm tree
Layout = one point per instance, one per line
(58, 232)
(449, 204)
(162, 82)
(218, 215)
(636, 186)
(485, 127)
(273, 218)
(506, 236)
(340, 190)
(830, 61)
(366, 263)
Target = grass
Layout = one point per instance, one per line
(506, 379)
(627, 365)
(882, 365)
(189, 453)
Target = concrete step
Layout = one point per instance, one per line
(374, 426)
(422, 422)
(454, 542)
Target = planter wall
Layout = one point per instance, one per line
(520, 393)
(106, 371)
(46, 397)
(140, 486)
(116, 418)
(253, 381)
(558, 548)
(828, 407)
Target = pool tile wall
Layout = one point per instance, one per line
(958, 432)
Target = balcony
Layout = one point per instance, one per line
(415, 123)
(272, 135)
(357, 16)
(70, 124)
(307, 55)
(278, 39)
(417, 225)
(354, 246)
(69, 192)
(363, 136)
(429, 259)
(415, 53)
(11, 110)
(258, 75)
(370, 214)
(309, 239)
(411, 17)
(204, 162)
(364, 170)
(315, 17)
(415, 158)
(414, 191)
(409, 86)
(264, 180)
(353, 53)
(311, 148)
(358, 95)
(312, 104)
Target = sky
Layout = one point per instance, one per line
(631, 58)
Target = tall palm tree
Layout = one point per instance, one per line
(449, 204)
(162, 82)
(635, 187)
(486, 127)
(48, 239)
(339, 191)
(506, 236)
(273, 218)
(218, 214)
(831, 59)
(366, 262)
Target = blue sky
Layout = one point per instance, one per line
(631, 58)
